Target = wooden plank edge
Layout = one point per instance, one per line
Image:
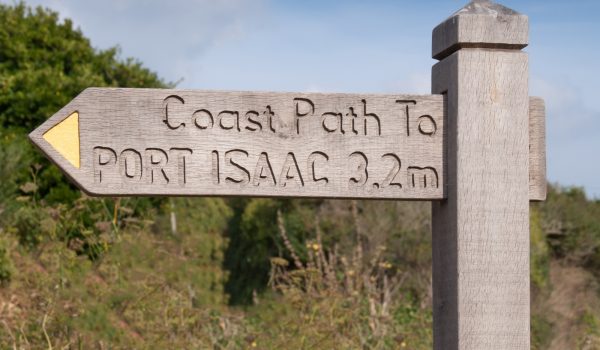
(538, 186)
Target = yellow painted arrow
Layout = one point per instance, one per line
(64, 137)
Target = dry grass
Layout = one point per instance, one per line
(158, 290)
(344, 301)
(570, 307)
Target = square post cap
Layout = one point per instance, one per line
(480, 24)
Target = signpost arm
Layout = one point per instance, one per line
(481, 231)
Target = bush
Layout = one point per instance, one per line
(14, 166)
(253, 240)
(45, 62)
(334, 300)
(6, 265)
(541, 332)
(31, 226)
(572, 221)
(540, 257)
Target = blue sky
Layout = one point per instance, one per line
(354, 46)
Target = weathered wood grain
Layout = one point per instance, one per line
(482, 24)
(212, 143)
(109, 120)
(481, 232)
(538, 185)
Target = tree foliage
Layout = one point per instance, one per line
(572, 222)
(45, 62)
(254, 238)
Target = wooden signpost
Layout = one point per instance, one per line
(476, 148)
(203, 143)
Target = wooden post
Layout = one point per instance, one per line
(481, 231)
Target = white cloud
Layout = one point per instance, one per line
(169, 36)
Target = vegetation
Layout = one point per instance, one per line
(84, 273)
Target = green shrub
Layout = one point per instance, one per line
(14, 167)
(6, 264)
(332, 300)
(253, 239)
(45, 62)
(590, 339)
(541, 332)
(573, 221)
(540, 258)
(28, 226)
